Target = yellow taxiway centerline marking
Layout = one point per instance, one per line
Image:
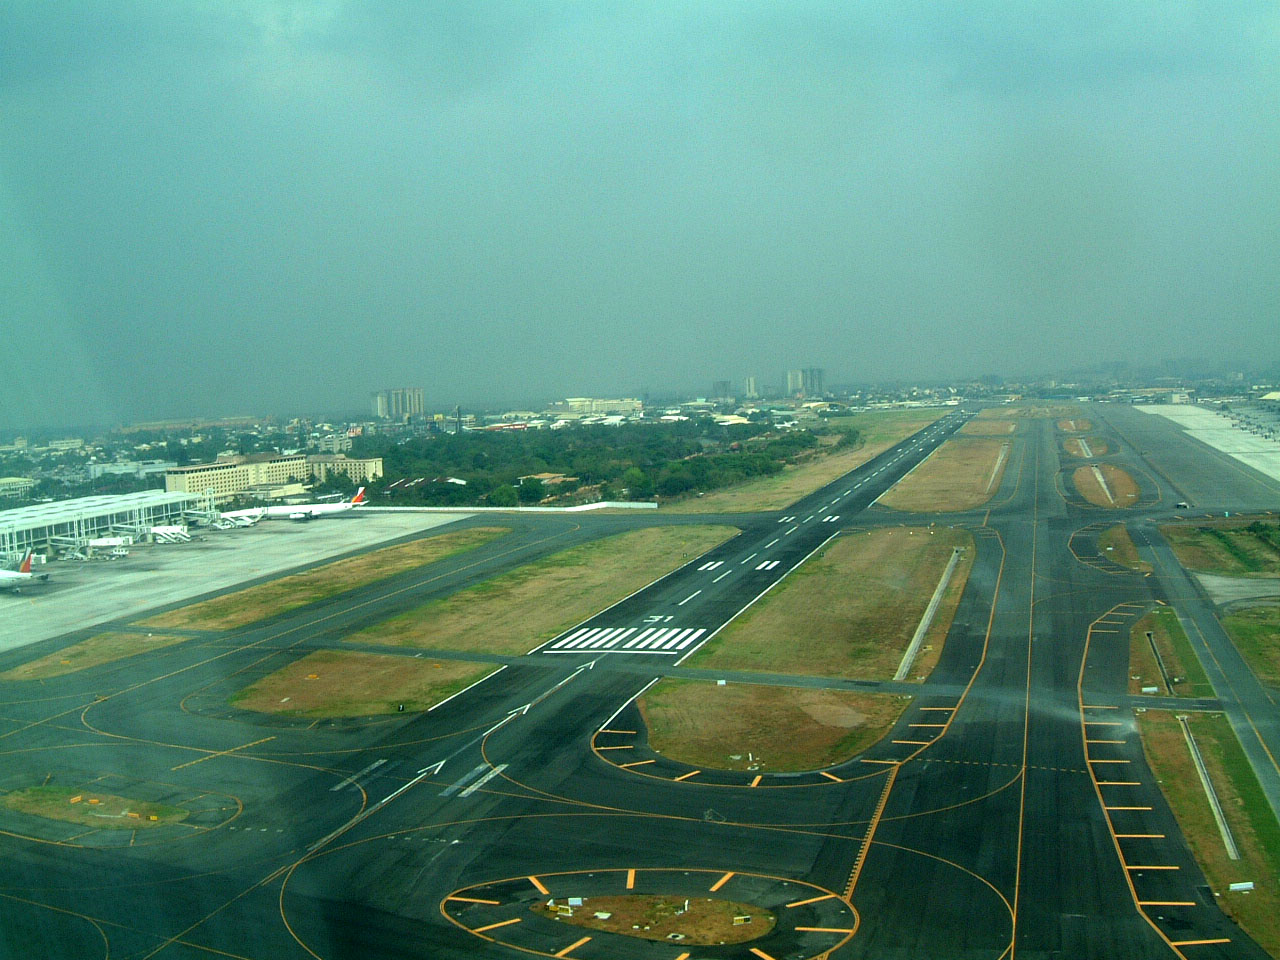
(1140, 836)
(1166, 903)
(1194, 943)
(1104, 741)
(721, 882)
(914, 743)
(1126, 808)
(221, 753)
(538, 883)
(801, 903)
(495, 926)
(573, 946)
(617, 731)
(1119, 783)
(826, 929)
(1148, 866)
(624, 746)
(476, 900)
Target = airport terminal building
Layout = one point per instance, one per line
(70, 523)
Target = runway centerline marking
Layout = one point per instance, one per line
(688, 598)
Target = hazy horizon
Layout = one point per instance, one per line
(207, 208)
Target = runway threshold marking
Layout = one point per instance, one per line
(495, 926)
(686, 776)
(538, 884)
(221, 753)
(801, 903)
(573, 946)
(721, 882)
(631, 879)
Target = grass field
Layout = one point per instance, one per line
(93, 652)
(1185, 673)
(1255, 631)
(340, 683)
(1075, 425)
(879, 431)
(1097, 447)
(516, 611)
(962, 474)
(851, 610)
(1121, 489)
(1029, 411)
(1227, 547)
(742, 726)
(699, 921)
(1244, 807)
(104, 811)
(978, 427)
(288, 593)
(1117, 546)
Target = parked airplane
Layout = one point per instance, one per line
(296, 511)
(13, 579)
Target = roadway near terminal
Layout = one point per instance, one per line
(1009, 813)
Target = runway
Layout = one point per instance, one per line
(1010, 813)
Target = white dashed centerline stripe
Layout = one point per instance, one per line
(791, 531)
(745, 559)
(688, 598)
(722, 576)
(770, 543)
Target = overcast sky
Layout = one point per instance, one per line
(218, 207)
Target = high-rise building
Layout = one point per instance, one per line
(721, 390)
(749, 388)
(806, 382)
(398, 403)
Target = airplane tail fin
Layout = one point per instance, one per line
(358, 498)
(25, 566)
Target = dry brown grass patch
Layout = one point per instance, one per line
(1122, 487)
(741, 726)
(880, 431)
(978, 427)
(962, 474)
(1244, 807)
(849, 611)
(1117, 546)
(288, 593)
(93, 652)
(518, 610)
(653, 917)
(339, 683)
(1075, 425)
(104, 811)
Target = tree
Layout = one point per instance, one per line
(531, 490)
(504, 496)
